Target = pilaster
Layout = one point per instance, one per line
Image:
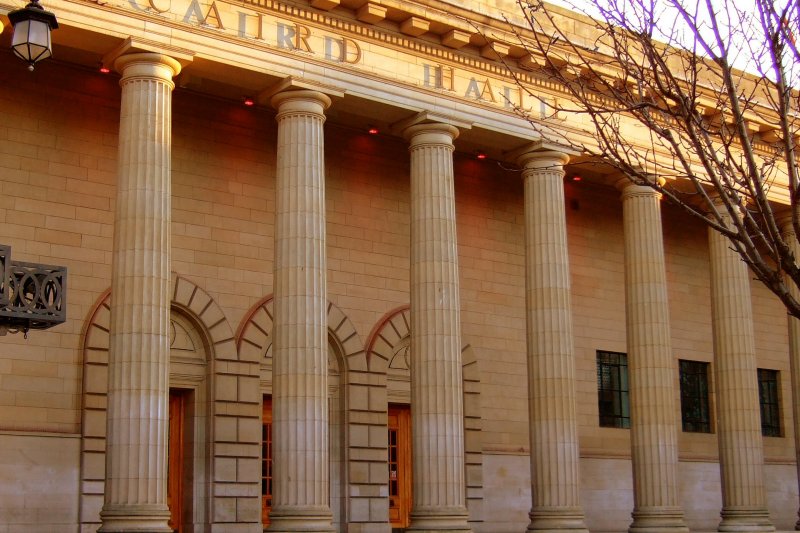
(137, 424)
(654, 438)
(439, 501)
(551, 365)
(739, 428)
(300, 334)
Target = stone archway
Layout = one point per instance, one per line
(202, 348)
(345, 355)
(388, 354)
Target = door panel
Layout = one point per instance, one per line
(335, 447)
(399, 465)
(266, 461)
(177, 409)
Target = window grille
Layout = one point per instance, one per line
(768, 399)
(612, 389)
(695, 409)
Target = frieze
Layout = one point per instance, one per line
(370, 50)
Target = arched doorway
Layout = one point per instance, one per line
(254, 341)
(188, 456)
(336, 447)
(199, 335)
(388, 352)
(188, 424)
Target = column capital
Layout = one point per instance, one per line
(434, 133)
(630, 188)
(147, 65)
(541, 154)
(428, 118)
(302, 101)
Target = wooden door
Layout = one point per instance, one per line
(266, 460)
(177, 406)
(399, 465)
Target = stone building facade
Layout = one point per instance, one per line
(373, 299)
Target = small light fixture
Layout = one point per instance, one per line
(480, 155)
(104, 69)
(248, 101)
(32, 25)
(577, 178)
(373, 130)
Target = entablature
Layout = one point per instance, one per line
(464, 65)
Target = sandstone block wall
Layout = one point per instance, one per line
(58, 145)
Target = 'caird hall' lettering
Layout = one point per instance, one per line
(343, 50)
(255, 25)
(211, 17)
(294, 37)
(443, 77)
(316, 40)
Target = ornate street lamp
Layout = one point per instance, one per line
(32, 25)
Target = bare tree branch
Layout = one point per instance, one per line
(724, 139)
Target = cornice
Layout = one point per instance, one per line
(347, 23)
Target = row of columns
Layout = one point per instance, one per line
(654, 439)
(136, 471)
(135, 493)
(653, 423)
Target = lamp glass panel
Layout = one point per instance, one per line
(20, 34)
(39, 40)
(31, 40)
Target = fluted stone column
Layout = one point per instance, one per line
(790, 236)
(739, 426)
(651, 366)
(300, 333)
(437, 420)
(138, 367)
(551, 365)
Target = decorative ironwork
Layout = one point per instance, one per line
(34, 295)
(5, 265)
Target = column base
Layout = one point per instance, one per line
(300, 519)
(433, 520)
(555, 519)
(754, 519)
(658, 520)
(137, 518)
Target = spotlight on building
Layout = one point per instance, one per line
(480, 155)
(373, 130)
(32, 25)
(248, 101)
